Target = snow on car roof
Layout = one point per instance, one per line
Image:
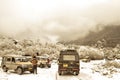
(13, 55)
(42, 56)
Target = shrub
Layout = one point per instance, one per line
(91, 53)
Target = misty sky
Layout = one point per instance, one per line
(56, 19)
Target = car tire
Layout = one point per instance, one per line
(5, 69)
(41, 65)
(31, 71)
(59, 73)
(49, 66)
(19, 71)
(75, 73)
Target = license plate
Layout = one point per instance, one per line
(65, 65)
(30, 68)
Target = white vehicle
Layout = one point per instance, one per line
(44, 61)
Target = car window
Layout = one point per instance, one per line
(69, 57)
(13, 59)
(8, 59)
(18, 60)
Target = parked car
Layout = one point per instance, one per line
(19, 64)
(68, 62)
(44, 61)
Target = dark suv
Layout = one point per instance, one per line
(17, 63)
(68, 62)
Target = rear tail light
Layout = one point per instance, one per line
(48, 61)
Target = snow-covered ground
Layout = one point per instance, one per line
(86, 73)
(43, 74)
(87, 68)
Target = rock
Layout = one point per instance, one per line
(105, 72)
(82, 67)
(96, 69)
(110, 76)
(112, 63)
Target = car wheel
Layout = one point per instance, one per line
(49, 66)
(19, 71)
(59, 73)
(31, 71)
(75, 73)
(41, 66)
(5, 69)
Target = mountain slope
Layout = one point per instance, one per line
(110, 33)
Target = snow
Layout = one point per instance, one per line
(86, 73)
(43, 74)
(97, 76)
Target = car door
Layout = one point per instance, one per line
(8, 62)
(13, 63)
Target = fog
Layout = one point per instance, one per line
(56, 19)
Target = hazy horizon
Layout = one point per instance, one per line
(56, 19)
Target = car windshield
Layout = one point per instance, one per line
(22, 59)
(41, 57)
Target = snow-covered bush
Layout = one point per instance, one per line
(11, 51)
(91, 53)
(29, 47)
(112, 63)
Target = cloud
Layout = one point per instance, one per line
(56, 20)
